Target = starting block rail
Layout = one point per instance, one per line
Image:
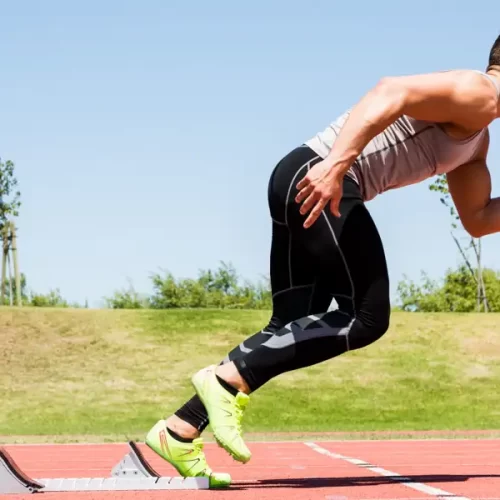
(132, 473)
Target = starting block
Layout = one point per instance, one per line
(132, 473)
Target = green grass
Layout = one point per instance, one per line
(79, 374)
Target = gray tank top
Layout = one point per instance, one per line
(407, 152)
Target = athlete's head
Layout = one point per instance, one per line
(494, 61)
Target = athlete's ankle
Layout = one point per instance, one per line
(182, 428)
(230, 374)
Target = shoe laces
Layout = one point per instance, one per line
(198, 446)
(239, 409)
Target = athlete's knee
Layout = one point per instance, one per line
(252, 342)
(275, 324)
(371, 326)
(381, 326)
(363, 336)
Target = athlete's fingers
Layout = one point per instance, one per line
(335, 201)
(315, 213)
(313, 198)
(305, 181)
(304, 192)
(334, 207)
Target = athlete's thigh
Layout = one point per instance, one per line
(347, 252)
(331, 274)
(292, 278)
(363, 252)
(293, 274)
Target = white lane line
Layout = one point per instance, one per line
(393, 476)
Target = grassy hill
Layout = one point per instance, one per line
(110, 373)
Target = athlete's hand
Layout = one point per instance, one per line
(321, 184)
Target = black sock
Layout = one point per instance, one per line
(179, 438)
(229, 388)
(193, 412)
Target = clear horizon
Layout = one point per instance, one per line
(144, 134)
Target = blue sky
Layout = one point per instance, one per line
(128, 121)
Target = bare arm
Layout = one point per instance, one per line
(463, 98)
(470, 189)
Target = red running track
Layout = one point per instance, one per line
(332, 470)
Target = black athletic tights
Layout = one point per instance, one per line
(341, 258)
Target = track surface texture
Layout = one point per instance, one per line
(328, 470)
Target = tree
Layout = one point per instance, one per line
(11, 290)
(9, 207)
(9, 196)
(440, 185)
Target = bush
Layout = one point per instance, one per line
(457, 292)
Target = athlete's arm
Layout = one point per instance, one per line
(463, 98)
(470, 189)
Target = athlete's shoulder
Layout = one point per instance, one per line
(475, 76)
(455, 77)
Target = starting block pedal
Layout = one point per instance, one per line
(134, 464)
(132, 473)
(13, 479)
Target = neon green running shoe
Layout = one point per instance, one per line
(225, 413)
(187, 458)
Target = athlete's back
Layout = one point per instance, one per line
(406, 152)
